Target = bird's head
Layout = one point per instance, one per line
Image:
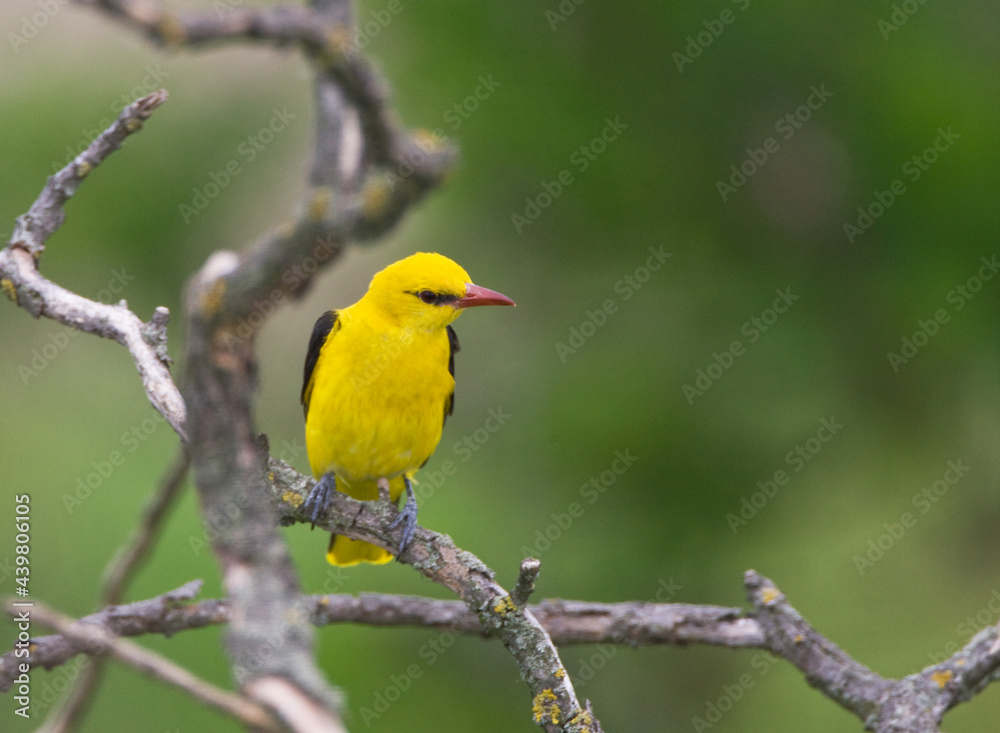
(427, 291)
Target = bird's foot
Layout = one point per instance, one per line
(319, 497)
(407, 517)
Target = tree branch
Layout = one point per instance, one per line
(566, 622)
(98, 641)
(117, 574)
(915, 703)
(22, 283)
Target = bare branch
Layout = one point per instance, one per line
(826, 667)
(915, 703)
(47, 213)
(281, 24)
(525, 584)
(21, 281)
(117, 573)
(96, 640)
(555, 703)
(566, 622)
(127, 560)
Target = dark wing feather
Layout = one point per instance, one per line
(449, 404)
(324, 325)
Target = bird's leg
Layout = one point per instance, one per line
(383, 490)
(319, 497)
(407, 517)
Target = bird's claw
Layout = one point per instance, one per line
(407, 517)
(319, 497)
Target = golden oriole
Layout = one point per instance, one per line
(379, 383)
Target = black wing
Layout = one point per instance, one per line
(324, 325)
(449, 404)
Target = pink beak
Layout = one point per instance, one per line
(476, 295)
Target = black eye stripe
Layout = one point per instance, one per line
(432, 298)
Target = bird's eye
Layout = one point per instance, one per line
(428, 296)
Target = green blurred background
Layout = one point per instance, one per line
(550, 77)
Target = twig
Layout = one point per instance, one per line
(77, 700)
(525, 584)
(826, 666)
(118, 572)
(555, 704)
(567, 622)
(96, 640)
(129, 556)
(22, 283)
(775, 627)
(914, 704)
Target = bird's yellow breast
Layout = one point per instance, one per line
(378, 399)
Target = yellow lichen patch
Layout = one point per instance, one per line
(338, 42)
(428, 140)
(583, 721)
(546, 707)
(505, 606)
(319, 202)
(83, 168)
(799, 638)
(171, 30)
(560, 673)
(7, 285)
(133, 124)
(291, 497)
(770, 595)
(374, 197)
(942, 678)
(211, 301)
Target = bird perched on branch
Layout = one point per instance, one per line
(379, 383)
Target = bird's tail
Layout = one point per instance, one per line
(344, 551)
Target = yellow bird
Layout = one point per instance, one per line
(379, 383)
